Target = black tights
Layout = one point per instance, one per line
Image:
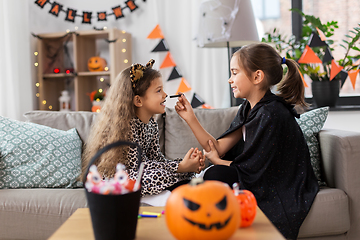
(226, 174)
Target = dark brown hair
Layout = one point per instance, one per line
(262, 56)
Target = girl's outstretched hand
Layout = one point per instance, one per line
(194, 161)
(184, 108)
(213, 155)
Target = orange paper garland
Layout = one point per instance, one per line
(309, 56)
(335, 69)
(168, 62)
(353, 76)
(184, 86)
(156, 33)
(321, 34)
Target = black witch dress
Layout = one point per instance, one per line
(274, 162)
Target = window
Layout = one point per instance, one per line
(266, 9)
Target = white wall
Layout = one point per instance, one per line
(343, 120)
(178, 21)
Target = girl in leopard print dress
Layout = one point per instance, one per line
(127, 114)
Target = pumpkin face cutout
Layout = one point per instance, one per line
(96, 64)
(208, 210)
(248, 205)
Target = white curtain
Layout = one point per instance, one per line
(15, 71)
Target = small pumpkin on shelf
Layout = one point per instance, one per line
(96, 64)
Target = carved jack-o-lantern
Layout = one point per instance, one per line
(207, 210)
(96, 64)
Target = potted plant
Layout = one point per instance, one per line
(325, 84)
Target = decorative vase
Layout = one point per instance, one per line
(325, 93)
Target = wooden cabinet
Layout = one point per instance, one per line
(71, 51)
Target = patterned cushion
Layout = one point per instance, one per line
(36, 156)
(311, 123)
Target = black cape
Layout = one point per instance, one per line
(274, 162)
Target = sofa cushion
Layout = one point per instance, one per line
(179, 137)
(311, 123)
(329, 214)
(82, 121)
(33, 155)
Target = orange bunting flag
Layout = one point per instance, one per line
(156, 33)
(206, 106)
(168, 62)
(302, 77)
(309, 56)
(353, 75)
(184, 86)
(335, 69)
(321, 34)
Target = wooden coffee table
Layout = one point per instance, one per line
(78, 227)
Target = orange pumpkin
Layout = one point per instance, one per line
(96, 64)
(247, 203)
(202, 210)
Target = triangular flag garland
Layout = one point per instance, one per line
(184, 86)
(353, 75)
(315, 41)
(356, 62)
(335, 69)
(321, 34)
(174, 74)
(206, 106)
(328, 56)
(156, 33)
(343, 76)
(309, 56)
(302, 77)
(161, 47)
(168, 62)
(71, 14)
(196, 101)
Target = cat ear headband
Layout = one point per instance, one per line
(137, 71)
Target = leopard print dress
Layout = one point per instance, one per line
(159, 172)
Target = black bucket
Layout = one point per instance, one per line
(114, 216)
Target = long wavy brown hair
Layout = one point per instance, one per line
(113, 122)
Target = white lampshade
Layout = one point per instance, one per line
(225, 22)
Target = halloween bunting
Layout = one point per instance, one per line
(71, 14)
(168, 61)
(309, 56)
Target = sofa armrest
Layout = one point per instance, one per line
(340, 151)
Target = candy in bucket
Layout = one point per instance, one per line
(120, 184)
(113, 203)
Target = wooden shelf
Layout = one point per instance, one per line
(83, 46)
(107, 73)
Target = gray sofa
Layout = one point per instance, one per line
(37, 213)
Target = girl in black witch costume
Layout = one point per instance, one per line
(264, 148)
